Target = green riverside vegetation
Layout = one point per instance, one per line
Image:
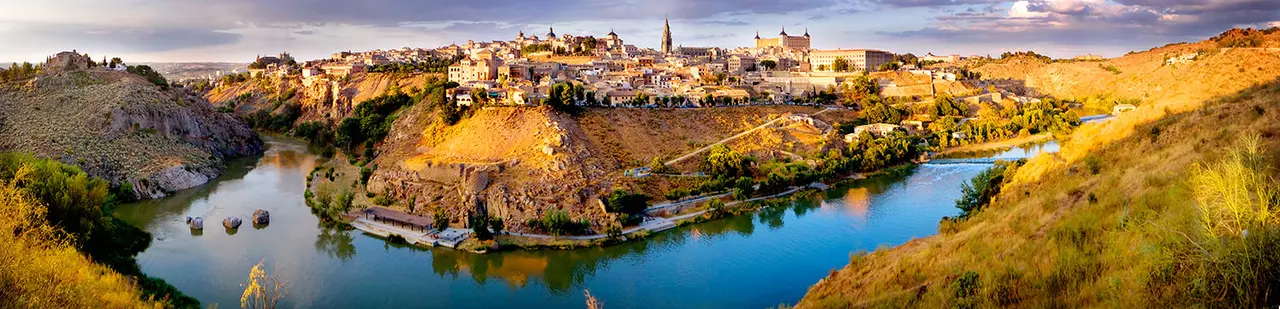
(79, 208)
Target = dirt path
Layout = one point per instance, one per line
(735, 136)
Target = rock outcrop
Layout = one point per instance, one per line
(195, 223)
(261, 217)
(119, 126)
(231, 222)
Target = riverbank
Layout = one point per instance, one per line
(1002, 144)
(658, 218)
(678, 214)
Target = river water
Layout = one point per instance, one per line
(749, 261)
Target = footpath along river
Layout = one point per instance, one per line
(750, 261)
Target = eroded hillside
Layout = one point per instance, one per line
(120, 127)
(319, 100)
(516, 163)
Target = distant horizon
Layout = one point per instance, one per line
(235, 31)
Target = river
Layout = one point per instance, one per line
(749, 261)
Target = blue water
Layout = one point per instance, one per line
(749, 261)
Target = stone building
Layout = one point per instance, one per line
(859, 59)
(741, 63)
(785, 41)
(480, 66)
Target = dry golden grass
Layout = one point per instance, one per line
(39, 268)
(636, 136)
(1107, 222)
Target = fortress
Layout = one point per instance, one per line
(785, 41)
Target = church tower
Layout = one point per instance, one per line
(666, 37)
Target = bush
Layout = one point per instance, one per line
(1239, 203)
(979, 191)
(365, 173)
(1237, 192)
(81, 206)
(382, 200)
(557, 222)
(965, 290)
(626, 203)
(151, 75)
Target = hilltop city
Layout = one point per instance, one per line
(780, 69)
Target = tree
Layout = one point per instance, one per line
(261, 290)
(480, 226)
(724, 162)
(150, 74)
(979, 191)
(945, 105)
(715, 208)
(626, 202)
(440, 219)
(822, 67)
(883, 113)
(496, 224)
(840, 65)
(768, 65)
(860, 88)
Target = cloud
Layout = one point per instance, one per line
(126, 39)
(1114, 24)
(928, 3)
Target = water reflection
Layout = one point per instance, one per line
(335, 242)
(1012, 153)
(752, 260)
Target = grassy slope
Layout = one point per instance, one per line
(40, 269)
(1061, 234)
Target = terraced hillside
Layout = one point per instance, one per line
(120, 127)
(1129, 214)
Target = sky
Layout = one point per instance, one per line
(238, 30)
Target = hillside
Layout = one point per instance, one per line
(121, 127)
(321, 100)
(1118, 218)
(518, 162)
(41, 270)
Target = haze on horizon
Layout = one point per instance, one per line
(237, 30)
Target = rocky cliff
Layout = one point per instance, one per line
(513, 163)
(120, 127)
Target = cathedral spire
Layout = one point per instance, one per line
(666, 35)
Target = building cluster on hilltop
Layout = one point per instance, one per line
(523, 70)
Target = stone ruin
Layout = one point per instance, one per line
(67, 61)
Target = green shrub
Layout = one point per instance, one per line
(979, 191)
